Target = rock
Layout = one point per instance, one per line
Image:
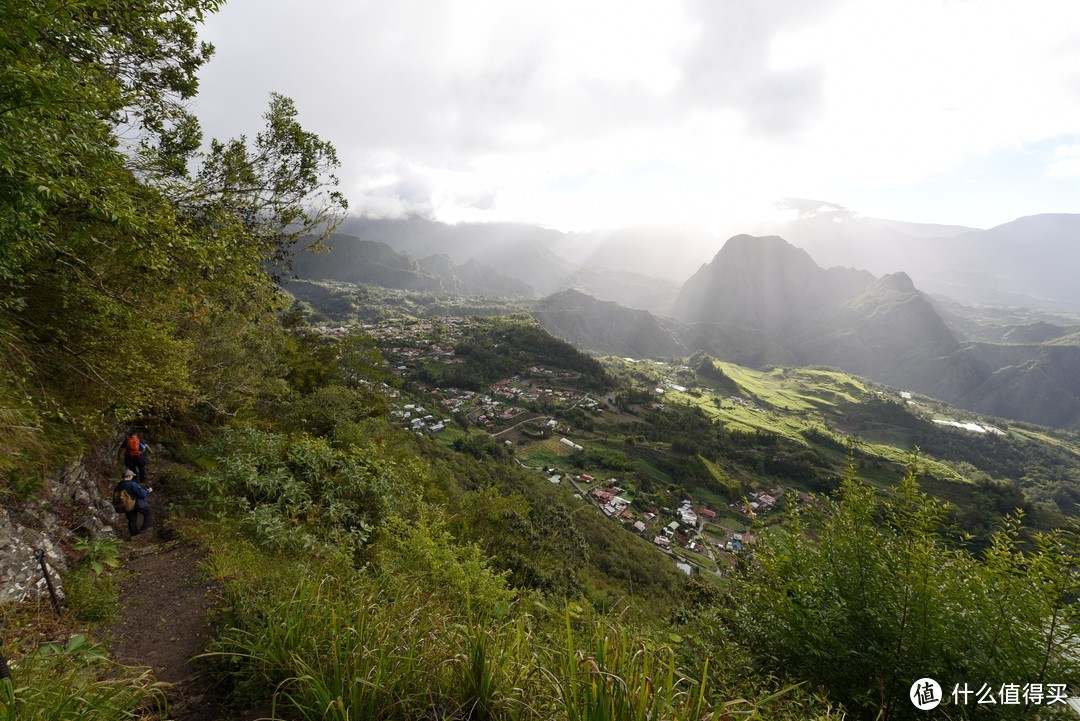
(37, 524)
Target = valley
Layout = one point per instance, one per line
(487, 380)
(696, 455)
(760, 301)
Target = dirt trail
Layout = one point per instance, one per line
(162, 623)
(164, 602)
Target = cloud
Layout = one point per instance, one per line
(631, 111)
(731, 65)
(1065, 163)
(397, 192)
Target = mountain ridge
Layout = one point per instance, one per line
(762, 301)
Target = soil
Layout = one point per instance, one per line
(162, 624)
(165, 600)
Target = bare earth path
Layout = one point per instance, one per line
(162, 623)
(164, 602)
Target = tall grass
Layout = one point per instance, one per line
(382, 648)
(329, 653)
(76, 681)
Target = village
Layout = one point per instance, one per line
(526, 413)
(698, 538)
(535, 393)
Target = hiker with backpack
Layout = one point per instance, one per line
(130, 499)
(135, 452)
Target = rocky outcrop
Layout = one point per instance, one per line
(71, 504)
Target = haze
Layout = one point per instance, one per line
(607, 114)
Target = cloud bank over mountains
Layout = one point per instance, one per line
(695, 112)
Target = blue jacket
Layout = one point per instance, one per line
(137, 492)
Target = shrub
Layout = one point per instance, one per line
(91, 597)
(869, 596)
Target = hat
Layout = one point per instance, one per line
(129, 473)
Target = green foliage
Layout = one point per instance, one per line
(297, 493)
(480, 446)
(75, 681)
(92, 597)
(423, 550)
(869, 597)
(500, 347)
(72, 71)
(127, 286)
(323, 410)
(99, 553)
(396, 645)
(280, 189)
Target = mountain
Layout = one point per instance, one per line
(763, 301)
(353, 260)
(609, 328)
(671, 254)
(1034, 257)
(1044, 388)
(475, 278)
(890, 332)
(626, 288)
(1026, 262)
(764, 283)
(514, 249)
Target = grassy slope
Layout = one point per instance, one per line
(819, 409)
(798, 400)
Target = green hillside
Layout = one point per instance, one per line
(808, 413)
(423, 515)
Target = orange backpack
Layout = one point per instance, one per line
(134, 447)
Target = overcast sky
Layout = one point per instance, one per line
(597, 114)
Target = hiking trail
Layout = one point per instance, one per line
(165, 599)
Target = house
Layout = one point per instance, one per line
(555, 479)
(639, 526)
(662, 541)
(707, 514)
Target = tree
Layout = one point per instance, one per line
(74, 72)
(870, 596)
(280, 190)
(119, 269)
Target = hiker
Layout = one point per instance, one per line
(135, 452)
(135, 503)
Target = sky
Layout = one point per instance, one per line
(694, 113)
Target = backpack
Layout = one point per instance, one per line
(134, 447)
(122, 501)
